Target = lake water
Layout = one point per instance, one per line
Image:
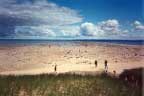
(29, 41)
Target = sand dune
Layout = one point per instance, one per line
(69, 57)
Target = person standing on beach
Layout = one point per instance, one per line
(55, 68)
(114, 73)
(106, 65)
(96, 63)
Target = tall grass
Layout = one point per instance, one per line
(65, 85)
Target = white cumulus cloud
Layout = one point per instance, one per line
(34, 31)
(47, 31)
(104, 28)
(138, 26)
(111, 26)
(90, 29)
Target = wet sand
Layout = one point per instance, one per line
(69, 57)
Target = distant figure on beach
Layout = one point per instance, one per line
(49, 46)
(55, 68)
(114, 72)
(106, 65)
(96, 63)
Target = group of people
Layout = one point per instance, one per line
(96, 64)
(105, 65)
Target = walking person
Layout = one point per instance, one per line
(114, 73)
(55, 68)
(106, 65)
(96, 63)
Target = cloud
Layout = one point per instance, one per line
(34, 31)
(110, 26)
(29, 14)
(109, 29)
(47, 31)
(69, 31)
(41, 18)
(138, 26)
(137, 30)
(90, 29)
(102, 29)
(37, 12)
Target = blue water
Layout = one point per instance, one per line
(30, 41)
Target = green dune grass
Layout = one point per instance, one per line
(65, 85)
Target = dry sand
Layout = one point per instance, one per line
(69, 57)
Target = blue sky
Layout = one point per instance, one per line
(76, 19)
(97, 10)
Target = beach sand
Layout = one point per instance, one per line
(29, 59)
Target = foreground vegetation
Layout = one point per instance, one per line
(65, 85)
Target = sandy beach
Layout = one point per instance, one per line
(69, 57)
